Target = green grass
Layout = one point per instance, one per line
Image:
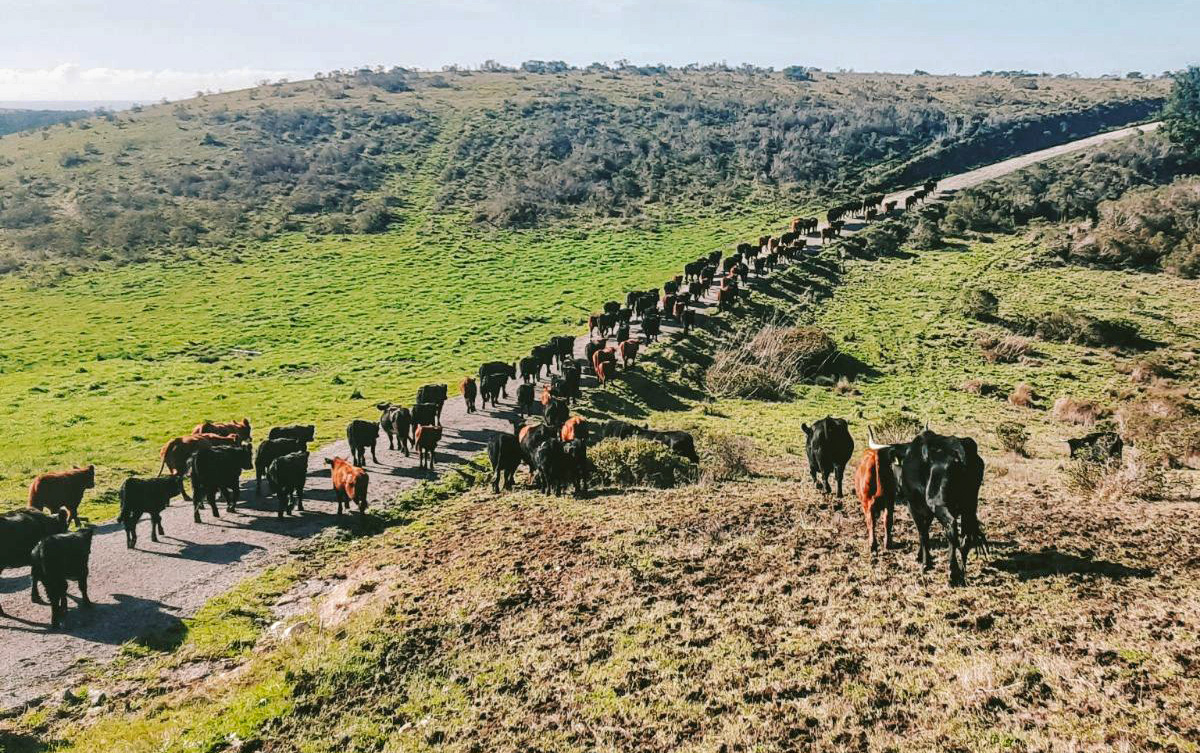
(104, 368)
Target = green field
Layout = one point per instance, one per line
(104, 368)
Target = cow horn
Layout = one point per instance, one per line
(871, 439)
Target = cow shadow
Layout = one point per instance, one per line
(225, 553)
(1048, 563)
(19, 742)
(110, 623)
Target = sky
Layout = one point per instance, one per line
(147, 50)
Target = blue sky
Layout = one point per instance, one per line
(129, 49)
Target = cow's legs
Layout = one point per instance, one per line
(924, 557)
(841, 470)
(950, 523)
(34, 576)
(889, 513)
(373, 458)
(869, 515)
(83, 595)
(155, 527)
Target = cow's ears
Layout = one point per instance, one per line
(807, 429)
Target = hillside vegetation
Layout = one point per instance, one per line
(743, 613)
(346, 153)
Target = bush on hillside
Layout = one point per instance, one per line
(1078, 412)
(895, 428)
(1007, 349)
(765, 363)
(1144, 228)
(1165, 420)
(723, 457)
(1023, 396)
(1013, 436)
(1070, 326)
(1181, 115)
(639, 462)
(979, 304)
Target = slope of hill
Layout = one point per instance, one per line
(345, 153)
(743, 613)
(13, 120)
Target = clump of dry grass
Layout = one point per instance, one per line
(1023, 396)
(845, 386)
(723, 457)
(1141, 477)
(979, 387)
(1145, 372)
(1007, 349)
(1078, 412)
(766, 362)
(1165, 420)
(896, 428)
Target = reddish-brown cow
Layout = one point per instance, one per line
(876, 487)
(628, 351)
(239, 429)
(65, 489)
(349, 484)
(427, 442)
(575, 427)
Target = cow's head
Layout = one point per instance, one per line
(383, 407)
(89, 476)
(944, 460)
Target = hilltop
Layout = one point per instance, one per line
(365, 151)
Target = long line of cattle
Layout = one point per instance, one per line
(214, 455)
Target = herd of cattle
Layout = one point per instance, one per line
(938, 476)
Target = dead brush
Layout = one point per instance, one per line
(1007, 349)
(1023, 396)
(1013, 437)
(895, 428)
(723, 457)
(1078, 412)
(1166, 419)
(767, 361)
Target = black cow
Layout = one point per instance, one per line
(624, 316)
(491, 387)
(651, 328)
(217, 469)
(396, 422)
(525, 399)
(57, 559)
(551, 466)
(611, 307)
(576, 451)
(570, 381)
(149, 496)
(557, 412)
(1099, 445)
(622, 333)
(287, 475)
(592, 347)
(545, 355)
(530, 437)
(302, 433)
(504, 452)
(531, 369)
(423, 414)
(268, 450)
(498, 367)
(940, 477)
(679, 442)
(20, 531)
(688, 320)
(436, 395)
(615, 429)
(361, 434)
(829, 446)
(564, 348)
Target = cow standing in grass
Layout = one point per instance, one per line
(828, 445)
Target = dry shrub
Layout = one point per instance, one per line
(896, 428)
(1012, 436)
(767, 362)
(1007, 349)
(1140, 478)
(723, 457)
(845, 386)
(1084, 475)
(1145, 372)
(639, 462)
(979, 387)
(1023, 396)
(1166, 421)
(1078, 412)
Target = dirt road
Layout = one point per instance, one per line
(154, 586)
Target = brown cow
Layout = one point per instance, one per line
(875, 483)
(239, 429)
(469, 390)
(797, 225)
(725, 297)
(575, 427)
(427, 442)
(628, 351)
(349, 484)
(64, 489)
(605, 371)
(604, 355)
(175, 453)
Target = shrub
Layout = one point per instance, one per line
(979, 387)
(1008, 349)
(927, 235)
(1084, 475)
(1077, 412)
(895, 428)
(723, 457)
(766, 363)
(1012, 436)
(1023, 396)
(1165, 421)
(980, 304)
(1070, 326)
(639, 462)
(1140, 477)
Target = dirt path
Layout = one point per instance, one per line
(154, 586)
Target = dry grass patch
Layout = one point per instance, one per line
(766, 362)
(1023, 396)
(1078, 412)
(1007, 349)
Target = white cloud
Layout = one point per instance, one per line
(72, 82)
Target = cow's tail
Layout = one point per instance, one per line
(166, 450)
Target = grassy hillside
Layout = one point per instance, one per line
(247, 304)
(742, 614)
(345, 153)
